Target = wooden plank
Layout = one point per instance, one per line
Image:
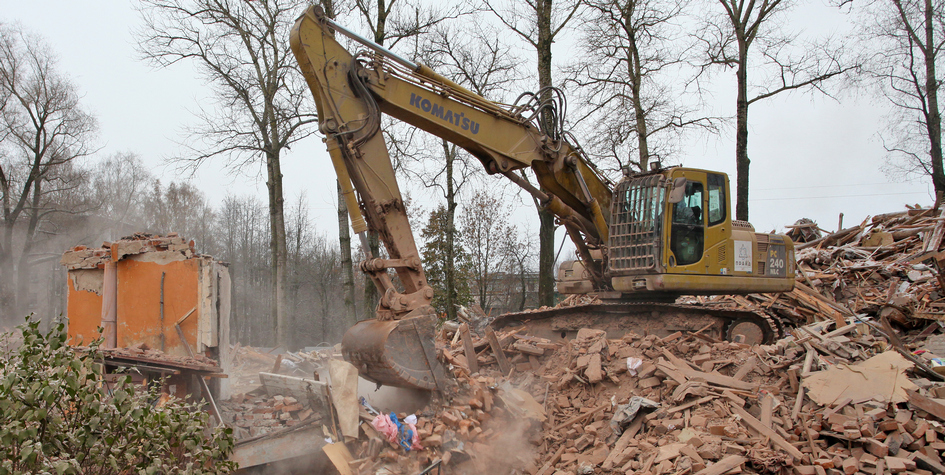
(711, 378)
(470, 350)
(580, 417)
(548, 467)
(671, 371)
(500, 358)
(837, 407)
(671, 337)
(619, 447)
(746, 368)
(841, 331)
(927, 404)
(767, 432)
(808, 360)
(340, 456)
(767, 406)
(720, 380)
(528, 348)
(691, 403)
(723, 465)
(934, 239)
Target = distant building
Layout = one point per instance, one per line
(511, 293)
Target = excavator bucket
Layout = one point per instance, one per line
(398, 353)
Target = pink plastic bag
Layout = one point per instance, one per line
(385, 426)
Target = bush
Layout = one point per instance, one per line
(57, 415)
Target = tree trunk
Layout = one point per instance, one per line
(23, 285)
(934, 119)
(523, 281)
(347, 271)
(546, 231)
(370, 290)
(277, 247)
(639, 112)
(450, 264)
(7, 272)
(741, 134)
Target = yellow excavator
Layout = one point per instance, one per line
(642, 243)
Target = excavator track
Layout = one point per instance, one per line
(661, 319)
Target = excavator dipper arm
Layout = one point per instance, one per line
(351, 92)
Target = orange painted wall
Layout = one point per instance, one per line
(84, 309)
(139, 303)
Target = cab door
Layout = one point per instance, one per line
(687, 223)
(699, 224)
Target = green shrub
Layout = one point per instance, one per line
(58, 416)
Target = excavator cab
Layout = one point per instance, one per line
(672, 234)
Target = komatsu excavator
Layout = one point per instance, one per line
(642, 243)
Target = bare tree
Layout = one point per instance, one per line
(517, 256)
(538, 23)
(347, 265)
(747, 31)
(43, 130)
(475, 59)
(242, 49)
(180, 208)
(904, 40)
(243, 234)
(120, 184)
(484, 229)
(631, 81)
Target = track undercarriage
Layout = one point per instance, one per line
(401, 352)
(645, 318)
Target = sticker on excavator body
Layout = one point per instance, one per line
(777, 263)
(742, 256)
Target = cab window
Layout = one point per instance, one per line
(716, 195)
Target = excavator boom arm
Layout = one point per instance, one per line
(351, 92)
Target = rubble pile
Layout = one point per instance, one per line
(83, 257)
(886, 265)
(852, 387)
(253, 415)
(248, 362)
(822, 400)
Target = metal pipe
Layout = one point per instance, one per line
(420, 69)
(365, 247)
(366, 42)
(556, 206)
(525, 185)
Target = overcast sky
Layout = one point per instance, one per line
(811, 156)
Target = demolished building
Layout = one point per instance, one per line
(162, 308)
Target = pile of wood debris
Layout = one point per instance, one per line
(249, 361)
(888, 265)
(251, 415)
